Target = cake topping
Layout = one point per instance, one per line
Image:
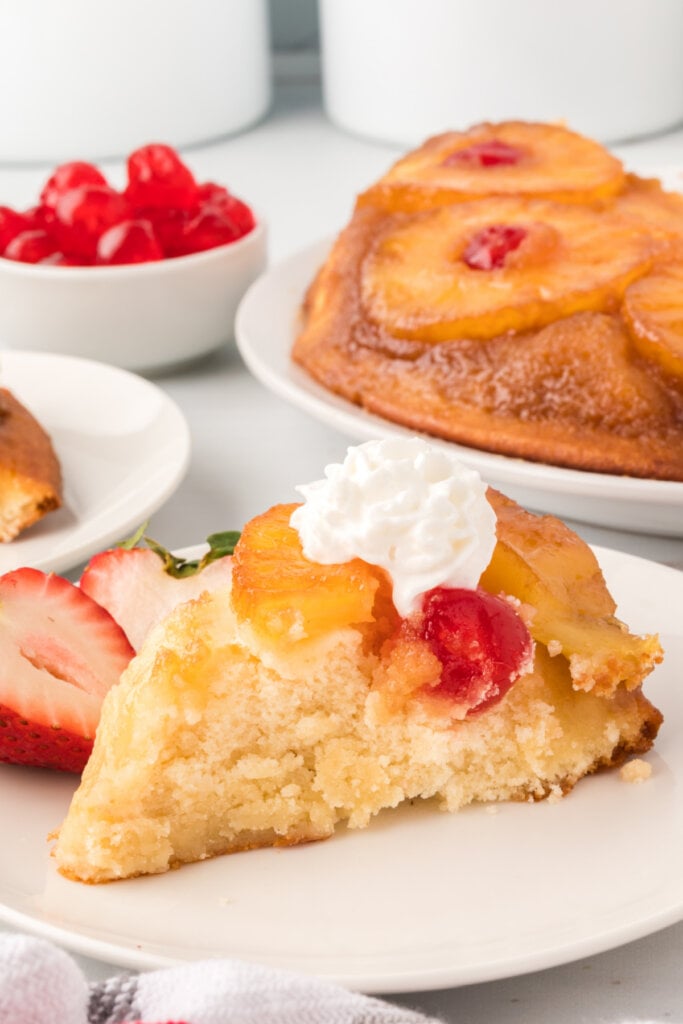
(406, 506)
(482, 643)
(489, 153)
(489, 248)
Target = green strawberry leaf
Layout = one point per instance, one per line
(132, 542)
(220, 545)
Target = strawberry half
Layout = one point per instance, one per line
(135, 587)
(61, 653)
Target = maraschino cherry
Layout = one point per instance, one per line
(162, 213)
(490, 247)
(481, 642)
(491, 153)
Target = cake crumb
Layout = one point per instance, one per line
(636, 770)
(554, 648)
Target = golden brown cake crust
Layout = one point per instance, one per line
(30, 474)
(586, 390)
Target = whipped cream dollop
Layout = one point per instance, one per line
(407, 506)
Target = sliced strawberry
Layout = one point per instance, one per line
(136, 589)
(24, 742)
(61, 653)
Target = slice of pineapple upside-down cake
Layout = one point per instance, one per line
(403, 633)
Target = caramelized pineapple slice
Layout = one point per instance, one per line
(645, 203)
(287, 598)
(478, 270)
(515, 157)
(547, 567)
(653, 310)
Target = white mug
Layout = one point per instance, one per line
(400, 70)
(81, 79)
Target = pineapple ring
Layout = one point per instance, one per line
(659, 213)
(553, 163)
(287, 598)
(416, 284)
(653, 311)
(548, 568)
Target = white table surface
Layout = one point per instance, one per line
(250, 449)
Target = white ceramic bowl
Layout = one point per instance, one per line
(142, 317)
(400, 70)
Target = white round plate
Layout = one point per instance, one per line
(123, 445)
(420, 899)
(265, 329)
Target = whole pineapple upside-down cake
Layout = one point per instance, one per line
(404, 633)
(514, 289)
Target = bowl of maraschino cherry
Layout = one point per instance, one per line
(145, 277)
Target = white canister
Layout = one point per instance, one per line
(88, 80)
(400, 70)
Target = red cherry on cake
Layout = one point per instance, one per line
(83, 214)
(490, 247)
(68, 176)
(157, 177)
(131, 241)
(492, 153)
(481, 642)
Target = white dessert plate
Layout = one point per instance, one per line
(420, 899)
(123, 445)
(265, 328)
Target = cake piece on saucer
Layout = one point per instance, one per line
(30, 474)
